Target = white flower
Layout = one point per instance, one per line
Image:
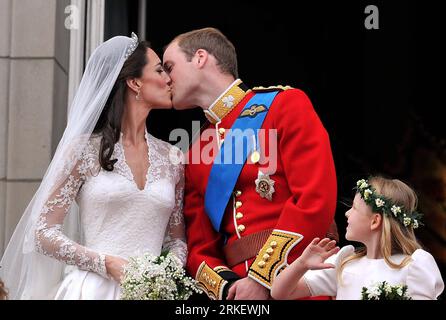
(385, 291)
(395, 210)
(415, 223)
(407, 221)
(362, 184)
(379, 202)
(149, 277)
(228, 101)
(374, 292)
(367, 193)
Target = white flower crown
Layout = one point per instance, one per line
(384, 205)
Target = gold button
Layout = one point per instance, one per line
(273, 244)
(238, 204)
(269, 251)
(241, 228)
(266, 257)
(239, 215)
(261, 264)
(238, 193)
(221, 131)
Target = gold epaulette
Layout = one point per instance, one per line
(271, 88)
(273, 256)
(210, 281)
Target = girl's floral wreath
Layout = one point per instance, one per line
(384, 205)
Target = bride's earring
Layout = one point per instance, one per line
(137, 97)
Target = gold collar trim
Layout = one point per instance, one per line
(226, 102)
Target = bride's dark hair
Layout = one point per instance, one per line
(109, 123)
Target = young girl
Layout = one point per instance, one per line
(382, 217)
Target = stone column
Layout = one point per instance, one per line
(34, 55)
(5, 33)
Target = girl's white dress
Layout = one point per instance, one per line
(421, 275)
(116, 217)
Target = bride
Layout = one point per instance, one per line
(119, 188)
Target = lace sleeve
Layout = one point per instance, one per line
(175, 239)
(50, 239)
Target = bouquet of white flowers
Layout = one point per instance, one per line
(384, 291)
(150, 277)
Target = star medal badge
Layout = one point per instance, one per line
(265, 186)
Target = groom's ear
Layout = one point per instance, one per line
(201, 57)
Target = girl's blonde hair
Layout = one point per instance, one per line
(395, 237)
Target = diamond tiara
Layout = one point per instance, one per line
(132, 46)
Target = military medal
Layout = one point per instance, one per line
(255, 157)
(265, 186)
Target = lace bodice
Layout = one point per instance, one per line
(116, 217)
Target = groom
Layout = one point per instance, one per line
(246, 218)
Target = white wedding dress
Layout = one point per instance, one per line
(116, 217)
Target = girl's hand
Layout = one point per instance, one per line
(317, 252)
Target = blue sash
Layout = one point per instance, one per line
(229, 162)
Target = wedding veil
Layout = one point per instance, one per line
(26, 273)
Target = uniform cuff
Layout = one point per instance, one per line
(273, 256)
(211, 282)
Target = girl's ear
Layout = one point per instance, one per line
(134, 84)
(376, 221)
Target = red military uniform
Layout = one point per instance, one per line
(300, 206)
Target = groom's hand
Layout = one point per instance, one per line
(247, 289)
